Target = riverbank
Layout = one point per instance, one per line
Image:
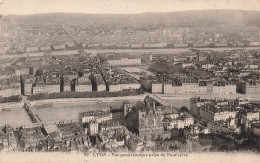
(67, 109)
(230, 96)
(127, 51)
(83, 100)
(11, 105)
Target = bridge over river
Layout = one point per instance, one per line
(31, 112)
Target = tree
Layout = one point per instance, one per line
(39, 72)
(10, 99)
(31, 70)
(184, 109)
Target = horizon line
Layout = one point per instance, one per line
(152, 12)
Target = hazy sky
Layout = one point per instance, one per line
(120, 6)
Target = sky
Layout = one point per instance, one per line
(25, 7)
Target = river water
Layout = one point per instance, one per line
(14, 116)
(66, 111)
(179, 102)
(70, 111)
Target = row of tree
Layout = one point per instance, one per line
(10, 99)
(85, 94)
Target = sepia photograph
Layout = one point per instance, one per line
(129, 81)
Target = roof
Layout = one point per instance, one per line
(96, 113)
(54, 135)
(83, 81)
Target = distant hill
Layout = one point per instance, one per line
(181, 18)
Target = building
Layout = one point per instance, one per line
(44, 48)
(213, 113)
(249, 88)
(92, 127)
(127, 107)
(31, 49)
(83, 84)
(207, 66)
(121, 83)
(113, 87)
(129, 85)
(40, 86)
(159, 57)
(179, 59)
(152, 84)
(53, 85)
(10, 90)
(66, 84)
(145, 121)
(172, 89)
(249, 118)
(27, 82)
(254, 43)
(124, 62)
(97, 115)
(154, 46)
(10, 87)
(59, 47)
(169, 145)
(184, 65)
(178, 121)
(218, 127)
(251, 66)
(256, 129)
(21, 71)
(70, 74)
(117, 116)
(223, 90)
(28, 87)
(157, 88)
(10, 139)
(98, 83)
(196, 88)
(72, 133)
(31, 137)
(185, 88)
(150, 125)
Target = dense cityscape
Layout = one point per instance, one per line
(99, 85)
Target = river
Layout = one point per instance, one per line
(14, 116)
(128, 51)
(66, 111)
(70, 111)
